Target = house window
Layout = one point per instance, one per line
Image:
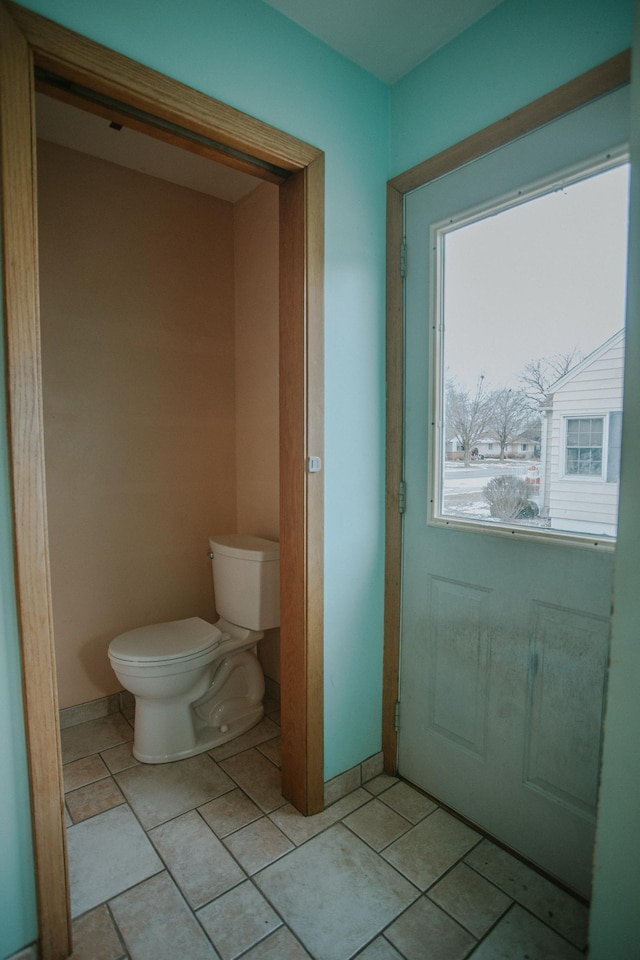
(524, 447)
(584, 446)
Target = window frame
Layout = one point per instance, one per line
(436, 440)
(604, 447)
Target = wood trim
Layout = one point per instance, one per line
(22, 321)
(314, 225)
(85, 62)
(167, 136)
(301, 493)
(74, 57)
(576, 93)
(595, 83)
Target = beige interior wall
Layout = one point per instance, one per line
(137, 309)
(256, 313)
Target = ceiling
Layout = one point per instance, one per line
(386, 37)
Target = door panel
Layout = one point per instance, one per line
(504, 639)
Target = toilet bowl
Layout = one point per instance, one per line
(197, 684)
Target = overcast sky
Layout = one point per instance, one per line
(535, 280)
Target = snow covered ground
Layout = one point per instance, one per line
(463, 486)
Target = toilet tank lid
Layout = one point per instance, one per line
(245, 547)
(176, 639)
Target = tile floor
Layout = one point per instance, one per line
(204, 859)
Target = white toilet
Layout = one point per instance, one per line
(196, 684)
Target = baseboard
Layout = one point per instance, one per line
(94, 709)
(353, 778)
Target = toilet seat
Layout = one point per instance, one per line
(162, 642)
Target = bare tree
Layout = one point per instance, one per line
(507, 412)
(467, 414)
(510, 413)
(538, 376)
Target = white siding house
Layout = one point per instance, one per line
(582, 420)
(520, 448)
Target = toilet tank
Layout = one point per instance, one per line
(246, 580)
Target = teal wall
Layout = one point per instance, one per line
(615, 916)
(18, 924)
(247, 55)
(518, 52)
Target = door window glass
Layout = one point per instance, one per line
(530, 354)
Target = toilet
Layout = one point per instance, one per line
(197, 684)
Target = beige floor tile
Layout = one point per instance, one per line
(281, 945)
(335, 893)
(379, 784)
(238, 920)
(230, 812)
(380, 949)
(107, 854)
(93, 799)
(431, 848)
(257, 845)
(333, 889)
(300, 828)
(156, 923)
(265, 730)
(197, 860)
(120, 757)
(470, 899)
(424, 932)
(377, 824)
(258, 777)
(160, 791)
(79, 773)
(409, 803)
(272, 750)
(519, 936)
(95, 937)
(551, 904)
(95, 735)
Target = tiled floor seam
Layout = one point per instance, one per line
(521, 906)
(125, 952)
(491, 928)
(283, 922)
(515, 900)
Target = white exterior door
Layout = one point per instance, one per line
(504, 642)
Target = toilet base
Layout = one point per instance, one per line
(206, 738)
(172, 728)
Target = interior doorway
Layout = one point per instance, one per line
(168, 110)
(159, 340)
